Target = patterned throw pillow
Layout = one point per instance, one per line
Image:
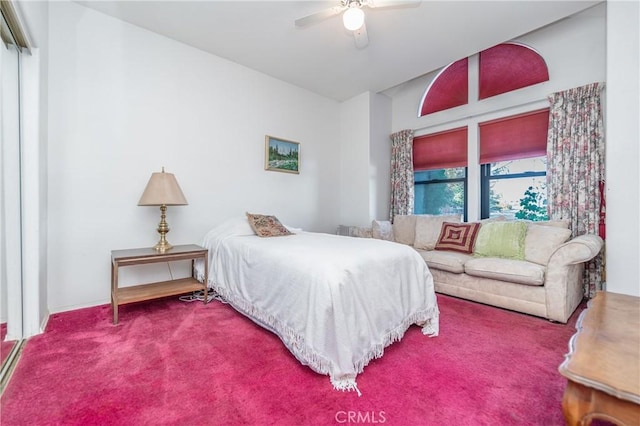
(267, 226)
(458, 236)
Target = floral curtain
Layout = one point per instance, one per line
(401, 173)
(575, 167)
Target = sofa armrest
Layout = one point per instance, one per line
(578, 250)
(563, 281)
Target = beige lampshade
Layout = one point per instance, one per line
(162, 189)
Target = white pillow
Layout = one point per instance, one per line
(428, 230)
(292, 229)
(558, 223)
(542, 240)
(404, 229)
(237, 226)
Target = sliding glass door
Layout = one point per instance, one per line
(10, 195)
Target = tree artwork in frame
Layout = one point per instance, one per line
(282, 155)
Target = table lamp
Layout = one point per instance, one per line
(162, 190)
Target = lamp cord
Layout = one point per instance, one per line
(199, 294)
(170, 273)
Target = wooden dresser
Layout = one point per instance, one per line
(603, 364)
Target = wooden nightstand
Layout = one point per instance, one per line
(120, 296)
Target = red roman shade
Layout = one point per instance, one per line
(515, 137)
(509, 66)
(440, 150)
(449, 89)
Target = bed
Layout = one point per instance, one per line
(335, 302)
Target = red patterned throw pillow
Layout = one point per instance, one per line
(267, 226)
(458, 236)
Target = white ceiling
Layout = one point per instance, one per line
(404, 42)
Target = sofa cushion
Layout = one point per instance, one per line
(542, 240)
(382, 230)
(501, 239)
(449, 261)
(517, 271)
(458, 236)
(428, 229)
(404, 229)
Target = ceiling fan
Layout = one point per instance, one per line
(353, 16)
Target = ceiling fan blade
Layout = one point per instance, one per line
(319, 16)
(362, 39)
(392, 3)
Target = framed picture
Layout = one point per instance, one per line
(281, 155)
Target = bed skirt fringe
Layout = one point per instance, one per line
(431, 328)
(292, 340)
(345, 383)
(428, 319)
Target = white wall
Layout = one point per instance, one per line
(124, 102)
(354, 161)
(622, 152)
(379, 157)
(365, 159)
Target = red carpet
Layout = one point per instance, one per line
(170, 362)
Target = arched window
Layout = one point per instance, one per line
(502, 68)
(512, 149)
(448, 90)
(507, 67)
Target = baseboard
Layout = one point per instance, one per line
(44, 322)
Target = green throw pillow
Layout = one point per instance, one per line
(501, 239)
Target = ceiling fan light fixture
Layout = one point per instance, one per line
(353, 18)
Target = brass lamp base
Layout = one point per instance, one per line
(163, 228)
(162, 246)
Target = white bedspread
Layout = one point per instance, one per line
(336, 302)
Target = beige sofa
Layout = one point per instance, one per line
(545, 281)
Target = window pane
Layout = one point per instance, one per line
(537, 164)
(453, 173)
(439, 198)
(519, 198)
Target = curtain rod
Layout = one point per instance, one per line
(453, 120)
